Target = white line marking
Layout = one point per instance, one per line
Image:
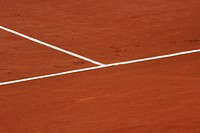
(98, 67)
(51, 46)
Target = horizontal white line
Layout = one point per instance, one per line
(102, 66)
(155, 57)
(51, 46)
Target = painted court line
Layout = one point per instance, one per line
(51, 46)
(99, 67)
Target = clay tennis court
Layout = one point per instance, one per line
(96, 66)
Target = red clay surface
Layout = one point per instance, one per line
(160, 96)
(20, 58)
(108, 31)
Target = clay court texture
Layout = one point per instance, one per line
(99, 66)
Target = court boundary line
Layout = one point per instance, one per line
(100, 67)
(51, 46)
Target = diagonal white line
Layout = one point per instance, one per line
(99, 67)
(51, 46)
